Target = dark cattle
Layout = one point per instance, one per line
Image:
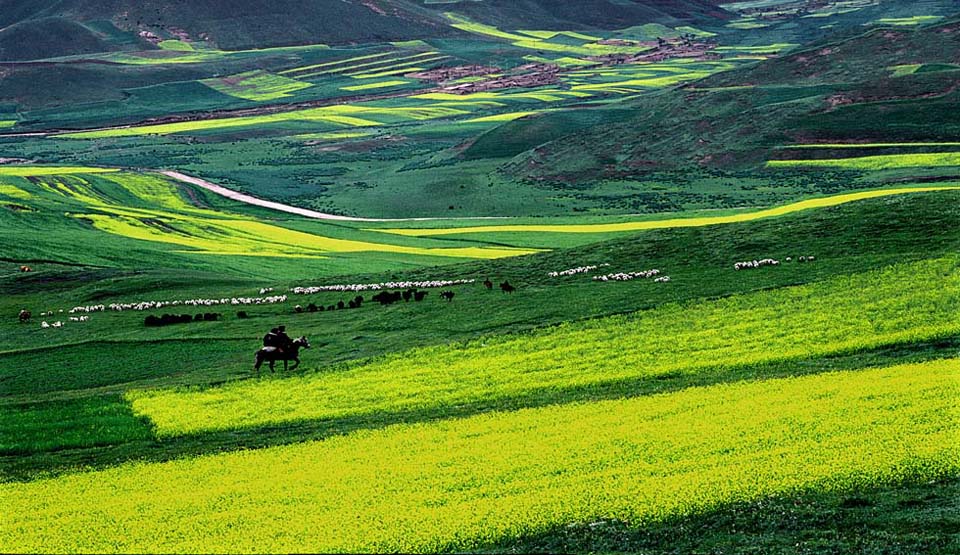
(408, 294)
(387, 297)
(352, 304)
(26, 269)
(488, 284)
(198, 318)
(25, 316)
(447, 295)
(311, 307)
(211, 317)
(341, 305)
(419, 295)
(298, 309)
(358, 299)
(243, 315)
(507, 288)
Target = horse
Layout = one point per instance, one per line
(25, 316)
(273, 354)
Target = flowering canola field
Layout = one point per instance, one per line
(459, 484)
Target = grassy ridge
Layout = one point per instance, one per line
(903, 303)
(670, 223)
(408, 488)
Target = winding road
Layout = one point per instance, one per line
(248, 199)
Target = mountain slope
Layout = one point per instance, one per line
(886, 85)
(267, 23)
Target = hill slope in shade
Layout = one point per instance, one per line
(57, 28)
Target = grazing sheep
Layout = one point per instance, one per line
(380, 286)
(579, 270)
(757, 263)
(628, 276)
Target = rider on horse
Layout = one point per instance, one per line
(278, 339)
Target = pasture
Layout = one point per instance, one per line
(832, 359)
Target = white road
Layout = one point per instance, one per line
(248, 199)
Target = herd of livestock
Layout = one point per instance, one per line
(386, 295)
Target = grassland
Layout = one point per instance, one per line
(662, 223)
(149, 213)
(801, 407)
(895, 252)
(769, 327)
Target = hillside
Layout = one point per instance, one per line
(31, 30)
(888, 85)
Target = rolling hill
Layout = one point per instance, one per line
(31, 30)
(888, 85)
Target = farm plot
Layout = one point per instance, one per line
(545, 41)
(898, 304)
(883, 162)
(369, 65)
(256, 85)
(459, 484)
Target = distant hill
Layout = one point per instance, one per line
(584, 14)
(32, 30)
(888, 84)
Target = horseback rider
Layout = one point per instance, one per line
(271, 339)
(283, 340)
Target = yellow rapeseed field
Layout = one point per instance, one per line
(458, 484)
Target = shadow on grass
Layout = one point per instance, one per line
(910, 518)
(135, 441)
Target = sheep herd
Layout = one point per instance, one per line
(629, 276)
(360, 287)
(749, 264)
(151, 305)
(409, 290)
(619, 276)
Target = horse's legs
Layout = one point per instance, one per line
(296, 362)
(271, 366)
(286, 363)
